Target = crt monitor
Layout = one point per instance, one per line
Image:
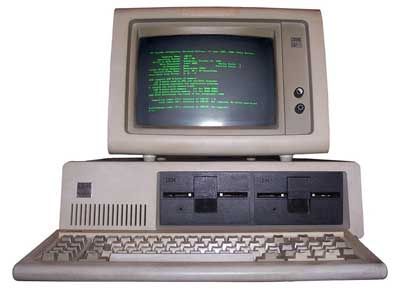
(218, 81)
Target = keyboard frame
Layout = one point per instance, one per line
(32, 268)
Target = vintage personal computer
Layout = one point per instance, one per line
(217, 100)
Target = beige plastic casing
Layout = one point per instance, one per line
(135, 182)
(125, 190)
(304, 66)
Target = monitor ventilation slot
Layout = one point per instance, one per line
(108, 215)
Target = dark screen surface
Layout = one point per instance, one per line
(205, 81)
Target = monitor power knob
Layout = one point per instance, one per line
(298, 92)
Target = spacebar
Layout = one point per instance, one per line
(204, 257)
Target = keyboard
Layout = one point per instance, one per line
(199, 256)
(200, 247)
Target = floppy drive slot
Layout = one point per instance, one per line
(251, 198)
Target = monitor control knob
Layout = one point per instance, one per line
(298, 92)
(299, 108)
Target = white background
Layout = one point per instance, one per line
(54, 77)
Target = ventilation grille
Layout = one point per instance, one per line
(108, 215)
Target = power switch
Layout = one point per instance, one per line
(299, 194)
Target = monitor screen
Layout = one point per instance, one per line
(205, 81)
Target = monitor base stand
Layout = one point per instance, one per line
(286, 158)
(153, 158)
(149, 158)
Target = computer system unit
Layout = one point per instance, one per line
(217, 100)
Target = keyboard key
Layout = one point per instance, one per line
(329, 237)
(125, 239)
(165, 239)
(138, 239)
(286, 247)
(260, 239)
(92, 256)
(212, 245)
(219, 240)
(62, 245)
(202, 249)
(320, 253)
(67, 238)
(192, 240)
(49, 256)
(334, 251)
(226, 245)
(271, 256)
(279, 239)
(303, 256)
(179, 239)
(340, 244)
(331, 255)
(64, 256)
(233, 239)
(274, 249)
(253, 245)
(348, 252)
(290, 254)
(99, 238)
(182, 257)
(303, 238)
(78, 246)
(246, 239)
(152, 239)
(206, 240)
